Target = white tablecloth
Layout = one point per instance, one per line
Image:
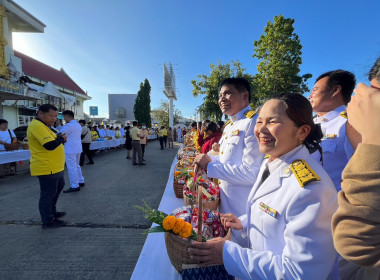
(154, 262)
(152, 137)
(106, 144)
(19, 155)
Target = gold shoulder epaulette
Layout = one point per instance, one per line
(343, 114)
(266, 156)
(227, 122)
(249, 114)
(303, 172)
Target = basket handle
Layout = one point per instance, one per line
(200, 213)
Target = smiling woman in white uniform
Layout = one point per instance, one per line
(289, 208)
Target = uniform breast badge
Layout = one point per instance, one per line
(330, 136)
(235, 132)
(303, 172)
(270, 211)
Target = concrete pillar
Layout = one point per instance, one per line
(171, 116)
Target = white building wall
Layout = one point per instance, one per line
(10, 114)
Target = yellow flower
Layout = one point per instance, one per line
(178, 226)
(186, 231)
(169, 222)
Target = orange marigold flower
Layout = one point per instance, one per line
(169, 222)
(178, 226)
(191, 173)
(177, 173)
(186, 231)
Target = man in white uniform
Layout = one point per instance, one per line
(239, 159)
(73, 148)
(179, 135)
(331, 93)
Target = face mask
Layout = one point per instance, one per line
(144, 127)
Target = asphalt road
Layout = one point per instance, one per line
(103, 236)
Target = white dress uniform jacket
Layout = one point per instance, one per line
(73, 131)
(336, 148)
(237, 165)
(295, 244)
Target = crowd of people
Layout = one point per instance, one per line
(280, 173)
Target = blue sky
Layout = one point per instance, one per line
(111, 46)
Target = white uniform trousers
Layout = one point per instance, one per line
(74, 170)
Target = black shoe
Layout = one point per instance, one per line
(72, 190)
(143, 159)
(53, 224)
(134, 163)
(59, 214)
(90, 163)
(81, 164)
(81, 185)
(142, 164)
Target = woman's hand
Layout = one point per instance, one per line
(202, 161)
(231, 221)
(207, 253)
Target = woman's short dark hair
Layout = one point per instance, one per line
(82, 121)
(3, 121)
(299, 110)
(194, 124)
(212, 126)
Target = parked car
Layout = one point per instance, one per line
(20, 132)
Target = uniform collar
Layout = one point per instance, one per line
(284, 158)
(240, 115)
(330, 115)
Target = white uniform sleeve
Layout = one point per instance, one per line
(308, 252)
(246, 172)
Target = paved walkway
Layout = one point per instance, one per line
(103, 237)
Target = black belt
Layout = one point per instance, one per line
(135, 140)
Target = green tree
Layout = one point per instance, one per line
(161, 114)
(279, 53)
(208, 86)
(141, 109)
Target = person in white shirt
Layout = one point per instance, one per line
(331, 93)
(179, 135)
(73, 148)
(6, 135)
(289, 208)
(239, 159)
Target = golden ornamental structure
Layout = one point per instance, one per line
(3, 42)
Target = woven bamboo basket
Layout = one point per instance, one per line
(178, 189)
(12, 147)
(177, 247)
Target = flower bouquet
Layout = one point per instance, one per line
(210, 193)
(183, 225)
(180, 178)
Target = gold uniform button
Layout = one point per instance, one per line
(221, 152)
(226, 137)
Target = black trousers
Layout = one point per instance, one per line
(165, 139)
(143, 149)
(86, 150)
(50, 188)
(161, 142)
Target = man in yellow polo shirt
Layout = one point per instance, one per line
(47, 163)
(136, 147)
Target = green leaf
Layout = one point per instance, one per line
(154, 230)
